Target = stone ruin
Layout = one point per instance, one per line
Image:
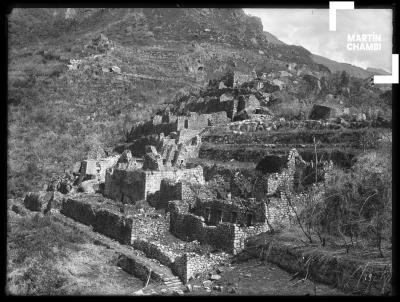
(153, 168)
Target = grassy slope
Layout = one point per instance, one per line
(56, 116)
(46, 257)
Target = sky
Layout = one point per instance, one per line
(310, 28)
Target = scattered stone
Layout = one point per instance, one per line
(232, 290)
(19, 209)
(361, 117)
(189, 288)
(178, 292)
(215, 277)
(89, 186)
(207, 283)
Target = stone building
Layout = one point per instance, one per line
(135, 185)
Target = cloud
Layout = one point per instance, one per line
(310, 29)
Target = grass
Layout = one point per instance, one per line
(46, 257)
(35, 244)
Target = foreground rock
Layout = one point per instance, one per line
(37, 201)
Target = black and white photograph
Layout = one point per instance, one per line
(200, 151)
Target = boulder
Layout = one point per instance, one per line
(221, 85)
(65, 186)
(361, 117)
(37, 201)
(319, 112)
(19, 209)
(241, 116)
(125, 157)
(215, 277)
(56, 201)
(76, 168)
(278, 83)
(89, 186)
(225, 97)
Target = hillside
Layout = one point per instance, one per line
(126, 63)
(336, 66)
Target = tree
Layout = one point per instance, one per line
(344, 79)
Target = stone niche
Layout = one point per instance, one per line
(218, 211)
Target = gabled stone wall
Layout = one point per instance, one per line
(135, 185)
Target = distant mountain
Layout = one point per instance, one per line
(337, 66)
(377, 71)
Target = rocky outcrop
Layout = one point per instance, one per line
(37, 201)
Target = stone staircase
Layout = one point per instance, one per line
(173, 282)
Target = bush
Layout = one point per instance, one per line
(359, 203)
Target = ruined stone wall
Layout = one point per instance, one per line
(155, 251)
(171, 190)
(148, 128)
(240, 78)
(190, 264)
(278, 212)
(212, 106)
(96, 169)
(219, 118)
(153, 178)
(168, 191)
(186, 226)
(216, 211)
(113, 225)
(138, 146)
(125, 184)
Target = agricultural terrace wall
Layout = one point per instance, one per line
(105, 221)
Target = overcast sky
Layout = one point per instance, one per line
(310, 29)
